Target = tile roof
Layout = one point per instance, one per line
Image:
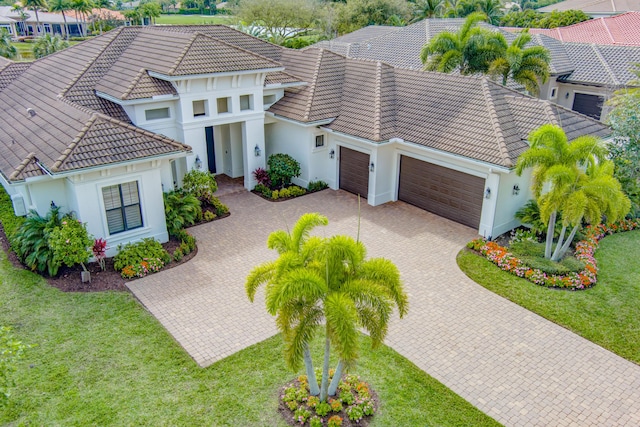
(594, 6)
(468, 116)
(621, 29)
(602, 65)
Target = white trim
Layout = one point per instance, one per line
(206, 75)
(303, 124)
(119, 181)
(137, 101)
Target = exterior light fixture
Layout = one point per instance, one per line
(372, 167)
(487, 193)
(198, 162)
(257, 151)
(516, 190)
(53, 205)
(332, 153)
(566, 95)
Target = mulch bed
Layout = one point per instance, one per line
(282, 199)
(68, 278)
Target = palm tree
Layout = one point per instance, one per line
(326, 280)
(23, 17)
(523, 65)
(7, 50)
(428, 9)
(48, 44)
(470, 50)
(61, 6)
(35, 5)
(82, 7)
(491, 8)
(552, 156)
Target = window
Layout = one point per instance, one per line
(223, 105)
(246, 102)
(199, 108)
(122, 204)
(554, 93)
(268, 99)
(319, 141)
(157, 113)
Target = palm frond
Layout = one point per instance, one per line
(258, 276)
(342, 320)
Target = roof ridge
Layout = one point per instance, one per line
(377, 102)
(185, 50)
(603, 61)
(495, 122)
(16, 172)
(606, 27)
(550, 114)
(66, 153)
(133, 83)
(312, 86)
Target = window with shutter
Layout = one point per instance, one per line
(122, 205)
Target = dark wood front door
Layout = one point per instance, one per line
(354, 171)
(211, 152)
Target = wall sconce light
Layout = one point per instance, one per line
(487, 193)
(257, 151)
(198, 162)
(372, 167)
(53, 205)
(566, 95)
(332, 153)
(516, 190)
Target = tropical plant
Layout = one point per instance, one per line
(82, 8)
(35, 5)
(524, 65)
(470, 50)
(32, 241)
(319, 280)
(19, 9)
(424, 9)
(70, 243)
(530, 214)
(492, 9)
(181, 209)
(201, 184)
(99, 250)
(11, 351)
(282, 168)
(6, 48)
(150, 10)
(355, 14)
(61, 6)
(532, 19)
(572, 191)
(48, 44)
(262, 176)
(134, 253)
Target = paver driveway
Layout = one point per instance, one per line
(515, 366)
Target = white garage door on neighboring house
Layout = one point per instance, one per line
(354, 171)
(589, 105)
(454, 195)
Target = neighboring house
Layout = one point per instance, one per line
(9, 25)
(622, 29)
(595, 8)
(52, 23)
(582, 76)
(104, 127)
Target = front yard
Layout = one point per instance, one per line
(101, 359)
(607, 314)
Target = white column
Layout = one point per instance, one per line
(252, 137)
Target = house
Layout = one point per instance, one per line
(595, 8)
(621, 29)
(583, 75)
(104, 127)
(51, 23)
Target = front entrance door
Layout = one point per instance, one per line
(211, 152)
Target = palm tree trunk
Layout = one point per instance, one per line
(37, 22)
(554, 257)
(566, 245)
(66, 26)
(314, 390)
(550, 229)
(324, 386)
(333, 387)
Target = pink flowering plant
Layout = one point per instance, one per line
(70, 243)
(99, 250)
(585, 250)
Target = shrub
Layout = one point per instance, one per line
(264, 190)
(295, 191)
(530, 214)
(221, 208)
(347, 397)
(275, 194)
(209, 216)
(323, 408)
(177, 255)
(181, 209)
(185, 248)
(302, 414)
(99, 250)
(141, 269)
(334, 421)
(355, 413)
(336, 405)
(282, 168)
(9, 220)
(70, 243)
(262, 176)
(317, 186)
(312, 401)
(201, 184)
(32, 241)
(527, 248)
(132, 254)
(284, 193)
(315, 421)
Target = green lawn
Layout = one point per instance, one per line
(607, 314)
(25, 50)
(101, 359)
(176, 19)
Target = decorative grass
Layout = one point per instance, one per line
(101, 359)
(607, 314)
(175, 19)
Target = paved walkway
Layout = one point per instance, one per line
(512, 364)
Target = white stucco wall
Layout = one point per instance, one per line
(295, 140)
(508, 202)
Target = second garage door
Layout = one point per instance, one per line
(354, 171)
(445, 192)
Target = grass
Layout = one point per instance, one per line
(101, 359)
(607, 314)
(25, 50)
(176, 19)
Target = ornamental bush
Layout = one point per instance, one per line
(132, 254)
(282, 168)
(181, 209)
(31, 241)
(71, 243)
(201, 184)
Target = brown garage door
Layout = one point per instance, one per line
(589, 105)
(354, 171)
(445, 192)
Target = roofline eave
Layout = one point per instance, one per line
(169, 78)
(123, 102)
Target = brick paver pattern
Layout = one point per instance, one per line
(512, 364)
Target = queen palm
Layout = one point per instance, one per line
(47, 44)
(7, 50)
(551, 155)
(61, 6)
(523, 65)
(326, 281)
(35, 5)
(428, 9)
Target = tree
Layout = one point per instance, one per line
(150, 10)
(82, 7)
(6, 48)
(492, 9)
(47, 44)
(558, 165)
(523, 65)
(23, 17)
(424, 9)
(470, 50)
(355, 14)
(133, 16)
(35, 5)
(318, 280)
(61, 6)
(532, 19)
